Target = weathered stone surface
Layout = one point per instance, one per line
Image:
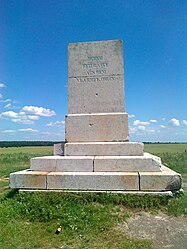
(27, 179)
(103, 127)
(134, 192)
(96, 77)
(58, 149)
(147, 162)
(93, 181)
(62, 163)
(156, 181)
(104, 149)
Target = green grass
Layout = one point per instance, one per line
(33, 149)
(165, 148)
(87, 221)
(29, 220)
(14, 159)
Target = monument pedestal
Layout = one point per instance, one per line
(97, 154)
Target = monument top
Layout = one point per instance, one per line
(95, 77)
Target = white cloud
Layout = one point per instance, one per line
(57, 123)
(2, 85)
(184, 122)
(162, 126)
(5, 100)
(175, 122)
(139, 123)
(40, 111)
(8, 105)
(131, 116)
(27, 115)
(132, 130)
(20, 130)
(33, 117)
(1, 96)
(163, 119)
(141, 127)
(8, 131)
(16, 117)
(153, 121)
(28, 130)
(9, 114)
(22, 121)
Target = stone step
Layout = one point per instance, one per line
(93, 181)
(62, 163)
(166, 180)
(96, 127)
(144, 163)
(124, 192)
(27, 179)
(104, 149)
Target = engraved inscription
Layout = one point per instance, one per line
(96, 79)
(95, 65)
(95, 57)
(92, 72)
(95, 69)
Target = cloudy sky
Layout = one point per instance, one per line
(33, 63)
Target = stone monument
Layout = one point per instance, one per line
(97, 153)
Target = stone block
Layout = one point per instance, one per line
(27, 179)
(104, 149)
(100, 94)
(103, 127)
(95, 77)
(128, 192)
(58, 149)
(165, 180)
(147, 162)
(62, 163)
(94, 181)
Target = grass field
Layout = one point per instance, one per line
(31, 150)
(29, 220)
(165, 148)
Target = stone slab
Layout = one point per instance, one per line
(103, 127)
(28, 180)
(95, 77)
(104, 149)
(165, 180)
(135, 192)
(93, 181)
(58, 149)
(144, 163)
(62, 163)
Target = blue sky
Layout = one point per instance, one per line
(33, 63)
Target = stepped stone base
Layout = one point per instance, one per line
(166, 180)
(145, 163)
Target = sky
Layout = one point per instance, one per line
(34, 74)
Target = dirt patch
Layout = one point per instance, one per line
(163, 230)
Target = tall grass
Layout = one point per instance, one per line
(10, 162)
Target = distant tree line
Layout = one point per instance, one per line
(6, 144)
(164, 142)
